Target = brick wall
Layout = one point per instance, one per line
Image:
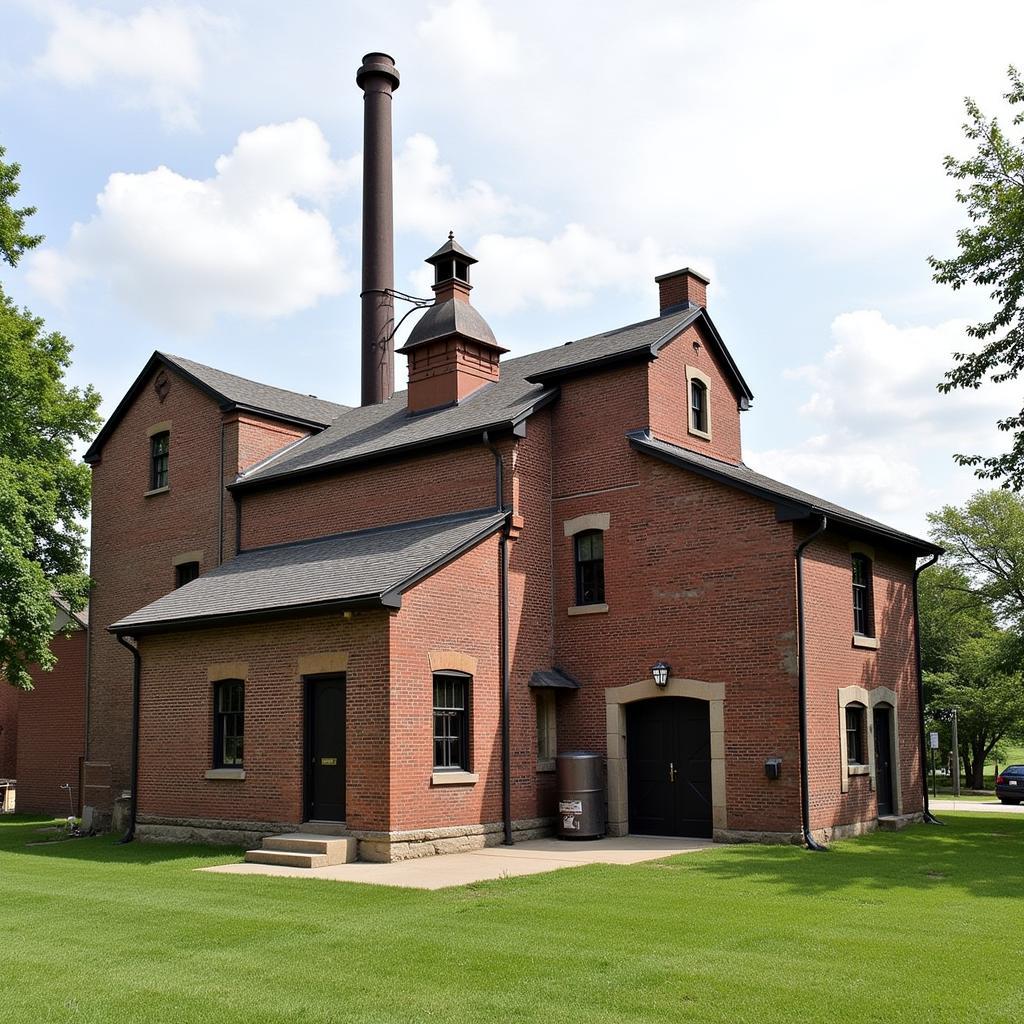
(670, 400)
(8, 730)
(456, 609)
(833, 662)
(176, 709)
(135, 537)
(376, 495)
(51, 730)
(701, 576)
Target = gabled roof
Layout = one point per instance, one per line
(791, 503)
(525, 385)
(364, 567)
(230, 392)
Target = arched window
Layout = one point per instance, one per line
(863, 612)
(590, 567)
(159, 453)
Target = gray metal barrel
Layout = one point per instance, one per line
(581, 802)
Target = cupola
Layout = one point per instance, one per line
(452, 352)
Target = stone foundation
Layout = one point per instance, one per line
(154, 829)
(385, 847)
(736, 835)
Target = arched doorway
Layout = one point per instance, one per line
(883, 759)
(668, 753)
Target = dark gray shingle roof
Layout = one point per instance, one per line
(367, 566)
(229, 392)
(253, 395)
(744, 478)
(374, 430)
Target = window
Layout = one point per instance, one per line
(698, 406)
(451, 722)
(159, 447)
(856, 734)
(863, 615)
(590, 567)
(547, 745)
(228, 723)
(184, 573)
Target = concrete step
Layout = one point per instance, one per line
(323, 828)
(337, 849)
(286, 859)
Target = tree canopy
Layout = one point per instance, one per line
(44, 490)
(991, 255)
(969, 663)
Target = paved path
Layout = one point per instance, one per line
(529, 858)
(993, 805)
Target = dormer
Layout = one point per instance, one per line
(452, 352)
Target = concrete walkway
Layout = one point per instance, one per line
(529, 858)
(949, 804)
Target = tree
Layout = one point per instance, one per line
(991, 255)
(44, 491)
(988, 696)
(984, 542)
(968, 661)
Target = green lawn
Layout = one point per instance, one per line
(911, 926)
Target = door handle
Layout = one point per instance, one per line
(671, 772)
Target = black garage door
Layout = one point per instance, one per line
(668, 746)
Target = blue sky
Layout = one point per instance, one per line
(196, 169)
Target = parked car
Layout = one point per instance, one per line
(1010, 784)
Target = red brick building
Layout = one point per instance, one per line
(42, 730)
(394, 616)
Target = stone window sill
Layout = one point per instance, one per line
(443, 778)
(869, 643)
(858, 769)
(703, 434)
(156, 491)
(226, 773)
(588, 609)
(545, 764)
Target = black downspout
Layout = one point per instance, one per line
(238, 522)
(506, 698)
(929, 818)
(805, 775)
(136, 673)
(220, 508)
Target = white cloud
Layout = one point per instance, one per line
(157, 52)
(464, 36)
(567, 270)
(884, 436)
(182, 250)
(428, 200)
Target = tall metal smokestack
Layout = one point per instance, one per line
(378, 78)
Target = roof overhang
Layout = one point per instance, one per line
(787, 508)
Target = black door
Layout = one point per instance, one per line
(883, 758)
(325, 749)
(668, 750)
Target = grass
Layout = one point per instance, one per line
(910, 926)
(1011, 755)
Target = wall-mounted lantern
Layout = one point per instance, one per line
(660, 672)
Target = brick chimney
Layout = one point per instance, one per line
(452, 352)
(682, 289)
